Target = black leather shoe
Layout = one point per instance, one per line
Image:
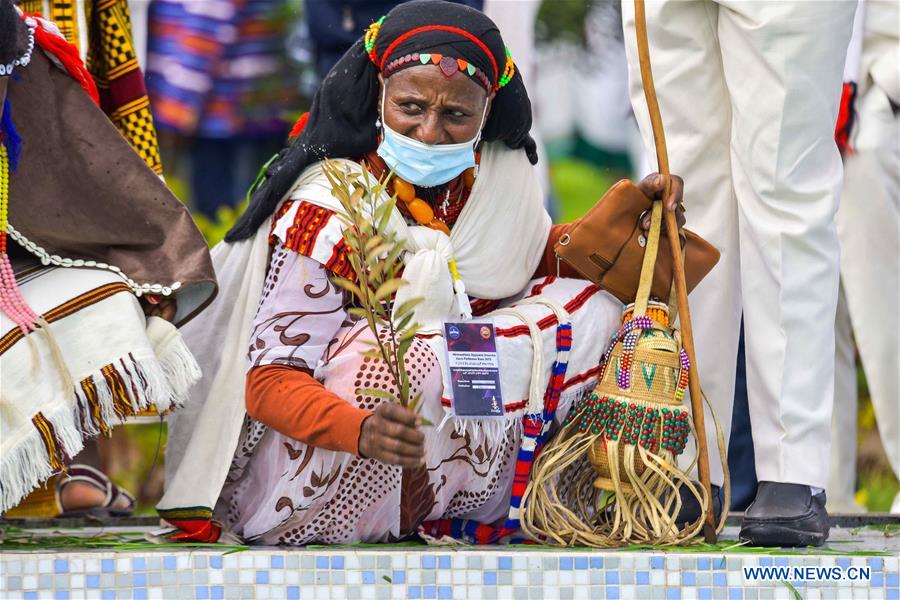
(690, 508)
(785, 514)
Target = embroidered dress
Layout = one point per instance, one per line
(282, 491)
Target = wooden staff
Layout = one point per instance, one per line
(687, 335)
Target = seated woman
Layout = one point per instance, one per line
(430, 94)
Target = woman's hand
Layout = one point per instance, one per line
(654, 186)
(154, 306)
(392, 436)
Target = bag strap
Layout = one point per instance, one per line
(659, 138)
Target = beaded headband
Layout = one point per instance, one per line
(448, 64)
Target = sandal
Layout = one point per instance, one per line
(92, 476)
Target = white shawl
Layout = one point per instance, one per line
(498, 242)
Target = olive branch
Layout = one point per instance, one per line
(376, 257)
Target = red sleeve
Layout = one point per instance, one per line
(293, 403)
(547, 266)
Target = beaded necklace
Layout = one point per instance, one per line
(22, 61)
(11, 301)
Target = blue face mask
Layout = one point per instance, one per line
(426, 165)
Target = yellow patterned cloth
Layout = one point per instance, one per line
(112, 61)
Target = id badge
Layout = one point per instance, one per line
(474, 369)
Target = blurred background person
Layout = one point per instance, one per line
(222, 89)
(868, 225)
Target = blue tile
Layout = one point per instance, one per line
(581, 563)
(893, 579)
(565, 563)
(293, 593)
(657, 562)
(399, 577)
(703, 564)
(262, 577)
(444, 562)
(429, 562)
(61, 595)
(642, 577)
(735, 594)
(414, 592)
(140, 580)
(429, 592)
(893, 594)
(217, 592)
(843, 563)
(277, 562)
(597, 563)
(673, 594)
(109, 595)
(706, 594)
(612, 578)
(140, 593)
(765, 561)
(445, 592)
(368, 577)
(490, 578)
(612, 593)
(321, 562)
(60, 566)
(31, 596)
(139, 564)
(877, 580)
(169, 562)
(719, 580)
(201, 592)
(688, 578)
(337, 562)
(107, 565)
(719, 564)
(93, 581)
(782, 562)
(215, 562)
(505, 563)
(876, 563)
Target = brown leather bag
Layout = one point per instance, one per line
(606, 246)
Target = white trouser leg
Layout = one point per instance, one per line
(783, 63)
(696, 112)
(842, 477)
(868, 224)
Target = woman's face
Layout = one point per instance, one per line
(424, 104)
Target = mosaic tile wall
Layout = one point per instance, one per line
(438, 574)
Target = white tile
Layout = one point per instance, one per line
(278, 592)
(627, 592)
(443, 577)
(246, 576)
(490, 562)
(339, 592)
(29, 582)
(891, 564)
(94, 595)
(735, 578)
(76, 565)
(782, 593)
(551, 578)
(276, 577)
(368, 592)
(688, 593)
(458, 576)
(262, 561)
(29, 566)
(642, 563)
(292, 577)
(123, 565)
(154, 593)
(183, 561)
(216, 577)
(520, 563)
(657, 577)
(812, 593)
(45, 566)
(398, 561)
(582, 578)
(582, 593)
(76, 581)
(626, 563)
(672, 563)
(246, 560)
(352, 577)
(474, 577)
(520, 577)
(262, 592)
(458, 561)
(10, 567)
(91, 566)
(673, 578)
(231, 561)
(414, 577)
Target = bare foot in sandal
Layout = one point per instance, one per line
(87, 491)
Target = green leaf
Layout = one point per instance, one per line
(384, 395)
(794, 593)
(388, 288)
(406, 307)
(348, 285)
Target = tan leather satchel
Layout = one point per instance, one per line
(606, 246)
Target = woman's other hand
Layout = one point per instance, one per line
(654, 186)
(392, 436)
(154, 306)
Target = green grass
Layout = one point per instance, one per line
(578, 185)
